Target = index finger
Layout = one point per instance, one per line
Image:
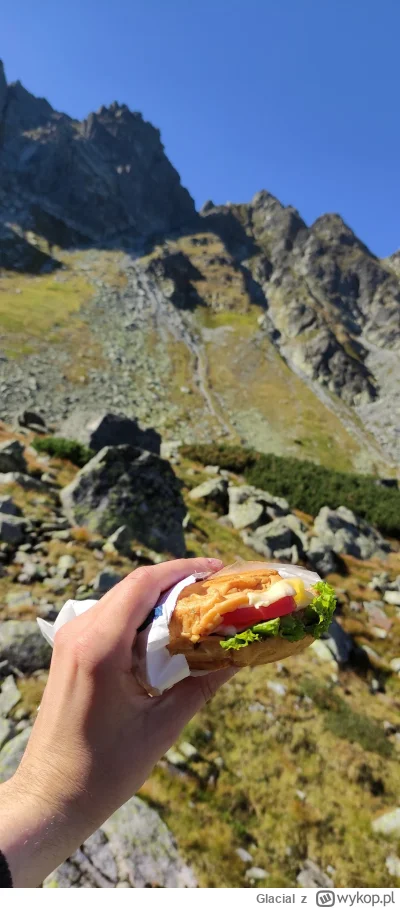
(124, 608)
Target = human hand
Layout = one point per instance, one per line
(98, 734)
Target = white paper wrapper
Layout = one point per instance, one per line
(153, 665)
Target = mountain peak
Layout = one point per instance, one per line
(101, 177)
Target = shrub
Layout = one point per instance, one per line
(64, 448)
(306, 485)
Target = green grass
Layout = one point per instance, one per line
(64, 449)
(344, 722)
(306, 485)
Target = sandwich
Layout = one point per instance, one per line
(248, 614)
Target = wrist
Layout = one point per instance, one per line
(35, 831)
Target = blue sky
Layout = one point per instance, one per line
(300, 97)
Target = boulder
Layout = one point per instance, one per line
(12, 529)
(284, 538)
(323, 558)
(249, 507)
(108, 430)
(119, 543)
(125, 485)
(23, 646)
(12, 457)
(8, 506)
(348, 534)
(312, 877)
(212, 491)
(30, 420)
(11, 754)
(339, 643)
(134, 849)
(6, 728)
(104, 581)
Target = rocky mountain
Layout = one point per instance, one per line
(238, 322)
(85, 181)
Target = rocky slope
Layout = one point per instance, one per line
(241, 321)
(305, 752)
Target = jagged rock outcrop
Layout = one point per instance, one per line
(125, 485)
(95, 179)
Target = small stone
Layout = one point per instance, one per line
(392, 597)
(12, 529)
(312, 877)
(243, 855)
(256, 708)
(256, 873)
(175, 758)
(388, 823)
(395, 664)
(393, 865)
(277, 688)
(65, 565)
(322, 651)
(9, 696)
(104, 581)
(188, 750)
(301, 794)
(56, 584)
(16, 601)
(8, 506)
(6, 727)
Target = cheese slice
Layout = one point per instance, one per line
(295, 587)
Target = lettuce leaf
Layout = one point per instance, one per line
(314, 620)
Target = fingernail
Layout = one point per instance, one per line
(214, 562)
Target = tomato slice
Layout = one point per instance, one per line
(246, 617)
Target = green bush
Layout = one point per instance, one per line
(64, 448)
(306, 485)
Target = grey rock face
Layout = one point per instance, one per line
(6, 728)
(23, 646)
(12, 529)
(119, 542)
(212, 491)
(11, 754)
(284, 538)
(339, 643)
(348, 534)
(130, 486)
(133, 848)
(109, 429)
(323, 558)
(9, 696)
(249, 507)
(12, 457)
(119, 178)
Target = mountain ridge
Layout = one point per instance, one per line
(237, 298)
